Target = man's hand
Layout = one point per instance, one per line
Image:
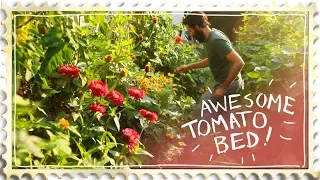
(183, 68)
(219, 93)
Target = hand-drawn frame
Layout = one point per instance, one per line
(172, 6)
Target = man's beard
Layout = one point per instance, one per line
(199, 36)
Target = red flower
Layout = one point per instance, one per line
(116, 98)
(137, 93)
(98, 88)
(178, 39)
(131, 136)
(151, 117)
(155, 20)
(96, 107)
(143, 112)
(69, 71)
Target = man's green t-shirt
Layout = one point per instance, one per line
(217, 47)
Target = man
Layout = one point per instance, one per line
(223, 61)
(225, 65)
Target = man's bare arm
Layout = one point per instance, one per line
(200, 64)
(236, 66)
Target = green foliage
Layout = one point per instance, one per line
(54, 110)
(53, 121)
(272, 47)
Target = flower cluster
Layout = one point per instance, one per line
(69, 71)
(98, 88)
(64, 123)
(136, 93)
(178, 39)
(131, 137)
(155, 82)
(116, 97)
(151, 117)
(96, 107)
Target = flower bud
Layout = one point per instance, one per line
(155, 20)
(147, 68)
(141, 37)
(123, 72)
(108, 58)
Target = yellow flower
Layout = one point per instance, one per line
(181, 143)
(64, 123)
(170, 75)
(170, 136)
(174, 89)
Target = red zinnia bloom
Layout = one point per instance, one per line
(151, 117)
(131, 136)
(116, 98)
(143, 112)
(96, 107)
(69, 71)
(178, 39)
(137, 93)
(98, 88)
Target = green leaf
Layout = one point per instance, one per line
(75, 116)
(139, 73)
(149, 100)
(63, 146)
(144, 152)
(191, 78)
(82, 149)
(137, 159)
(74, 130)
(77, 82)
(52, 38)
(116, 121)
(277, 59)
(128, 105)
(54, 57)
(112, 137)
(74, 102)
(40, 109)
(50, 134)
(82, 65)
(97, 129)
(254, 75)
(92, 150)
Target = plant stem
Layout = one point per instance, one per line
(121, 152)
(142, 131)
(30, 160)
(45, 158)
(99, 69)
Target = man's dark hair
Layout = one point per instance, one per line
(196, 18)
